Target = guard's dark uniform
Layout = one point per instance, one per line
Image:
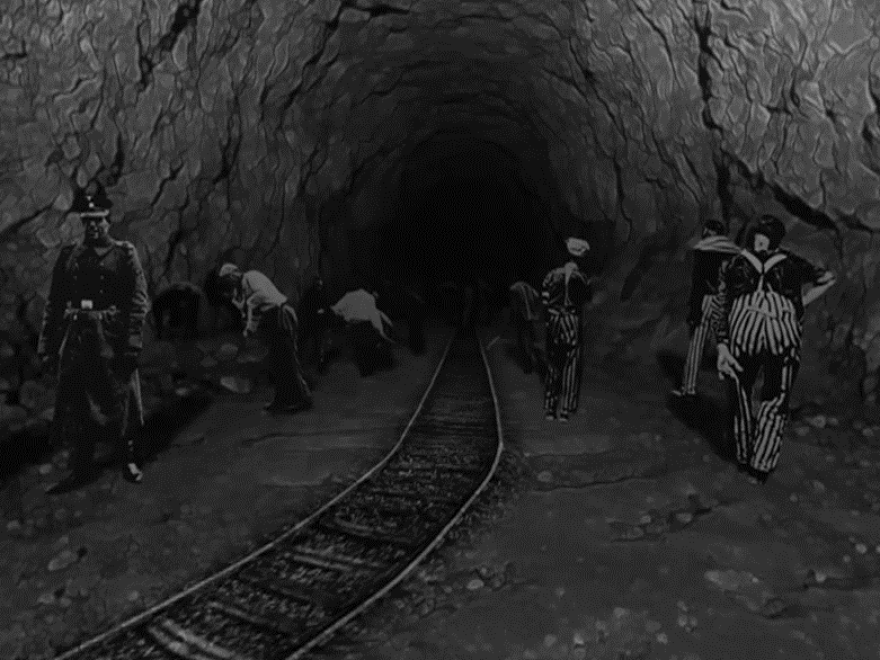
(759, 320)
(92, 329)
(563, 299)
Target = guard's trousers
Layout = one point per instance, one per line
(697, 345)
(758, 342)
(279, 326)
(562, 383)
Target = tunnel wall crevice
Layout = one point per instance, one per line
(246, 122)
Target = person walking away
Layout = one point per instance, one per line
(266, 312)
(451, 297)
(368, 329)
(759, 326)
(564, 293)
(710, 254)
(415, 315)
(525, 304)
(90, 341)
(470, 308)
(313, 313)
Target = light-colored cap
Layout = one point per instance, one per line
(228, 269)
(577, 247)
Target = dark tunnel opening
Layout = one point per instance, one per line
(462, 229)
(466, 211)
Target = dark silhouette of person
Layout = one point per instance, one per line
(176, 311)
(90, 340)
(314, 323)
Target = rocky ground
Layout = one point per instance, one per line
(222, 475)
(626, 534)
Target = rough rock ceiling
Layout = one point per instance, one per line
(241, 122)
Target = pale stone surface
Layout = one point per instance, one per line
(237, 123)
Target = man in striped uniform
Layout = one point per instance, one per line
(564, 293)
(265, 310)
(759, 325)
(710, 254)
(524, 306)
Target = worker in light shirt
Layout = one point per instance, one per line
(266, 312)
(368, 329)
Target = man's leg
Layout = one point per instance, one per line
(780, 373)
(361, 350)
(555, 356)
(740, 398)
(570, 386)
(301, 389)
(693, 360)
(570, 350)
(130, 428)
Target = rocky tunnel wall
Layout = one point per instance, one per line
(282, 127)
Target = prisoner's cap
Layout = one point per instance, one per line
(94, 204)
(577, 247)
(227, 271)
(772, 227)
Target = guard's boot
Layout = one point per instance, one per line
(131, 471)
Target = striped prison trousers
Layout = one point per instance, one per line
(764, 332)
(698, 344)
(562, 385)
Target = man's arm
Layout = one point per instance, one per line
(698, 290)
(54, 309)
(138, 304)
(723, 305)
(545, 290)
(820, 278)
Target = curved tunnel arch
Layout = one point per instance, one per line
(284, 127)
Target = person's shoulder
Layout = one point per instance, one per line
(126, 246)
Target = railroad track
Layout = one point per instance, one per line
(292, 594)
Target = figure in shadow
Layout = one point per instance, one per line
(90, 341)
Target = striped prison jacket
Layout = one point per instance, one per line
(562, 293)
(772, 287)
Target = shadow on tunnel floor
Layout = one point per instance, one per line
(159, 431)
(704, 414)
(167, 421)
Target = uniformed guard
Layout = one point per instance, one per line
(91, 337)
(265, 310)
(524, 311)
(710, 254)
(564, 293)
(759, 327)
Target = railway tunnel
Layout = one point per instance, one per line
(415, 140)
(295, 133)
